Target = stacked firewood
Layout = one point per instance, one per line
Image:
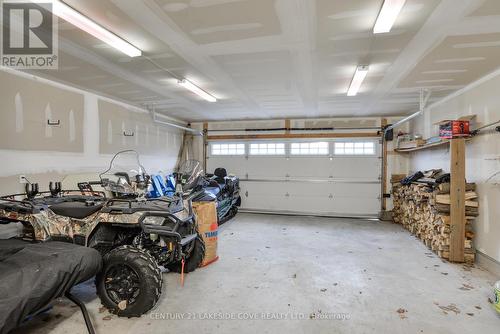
(423, 209)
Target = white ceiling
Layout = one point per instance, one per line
(280, 58)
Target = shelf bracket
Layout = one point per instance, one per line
(52, 123)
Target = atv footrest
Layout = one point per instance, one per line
(188, 238)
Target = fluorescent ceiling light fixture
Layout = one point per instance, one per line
(70, 15)
(197, 90)
(357, 80)
(388, 15)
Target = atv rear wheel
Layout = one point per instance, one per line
(130, 283)
(193, 260)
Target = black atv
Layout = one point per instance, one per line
(219, 187)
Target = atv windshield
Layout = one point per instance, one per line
(125, 175)
(190, 172)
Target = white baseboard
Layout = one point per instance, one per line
(488, 263)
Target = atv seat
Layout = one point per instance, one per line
(220, 174)
(75, 209)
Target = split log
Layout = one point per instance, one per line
(444, 188)
(469, 196)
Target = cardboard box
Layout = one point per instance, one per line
(452, 129)
(411, 144)
(449, 128)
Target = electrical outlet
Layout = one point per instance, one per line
(22, 179)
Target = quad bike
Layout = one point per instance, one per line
(219, 187)
(135, 235)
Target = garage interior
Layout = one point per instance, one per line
(329, 166)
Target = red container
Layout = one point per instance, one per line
(454, 129)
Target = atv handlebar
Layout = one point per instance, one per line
(192, 195)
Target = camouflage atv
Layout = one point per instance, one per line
(134, 234)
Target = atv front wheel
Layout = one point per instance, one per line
(130, 283)
(193, 260)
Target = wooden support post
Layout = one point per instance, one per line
(287, 126)
(457, 198)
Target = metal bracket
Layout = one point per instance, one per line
(425, 95)
(49, 122)
(83, 309)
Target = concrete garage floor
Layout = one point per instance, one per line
(307, 268)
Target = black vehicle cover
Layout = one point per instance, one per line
(34, 274)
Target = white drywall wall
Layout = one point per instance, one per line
(483, 154)
(45, 166)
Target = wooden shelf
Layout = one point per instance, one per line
(427, 146)
(423, 147)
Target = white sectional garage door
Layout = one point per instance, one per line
(319, 177)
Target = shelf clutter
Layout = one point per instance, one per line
(448, 129)
(422, 206)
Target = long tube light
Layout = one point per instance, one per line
(197, 90)
(357, 80)
(388, 15)
(156, 118)
(70, 15)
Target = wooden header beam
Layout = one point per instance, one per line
(295, 136)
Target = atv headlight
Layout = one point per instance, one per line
(151, 220)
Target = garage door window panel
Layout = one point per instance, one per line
(267, 148)
(228, 149)
(354, 148)
(309, 148)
